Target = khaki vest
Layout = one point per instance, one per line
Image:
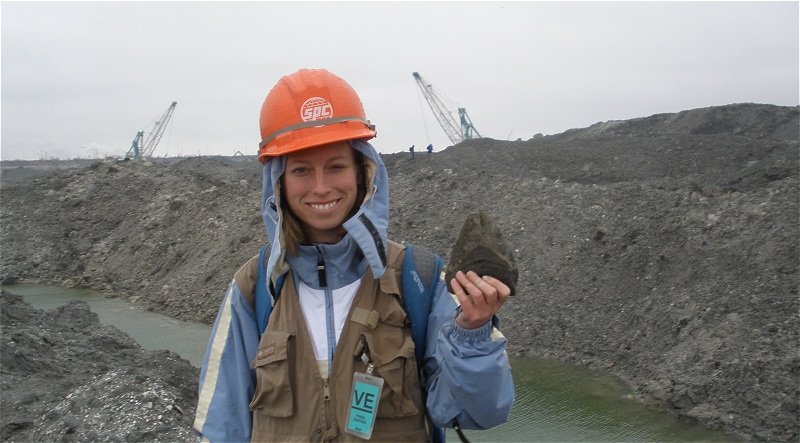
(292, 401)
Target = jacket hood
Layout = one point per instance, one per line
(368, 227)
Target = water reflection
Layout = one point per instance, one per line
(152, 330)
(558, 402)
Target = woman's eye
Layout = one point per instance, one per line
(299, 171)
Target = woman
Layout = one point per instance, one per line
(336, 361)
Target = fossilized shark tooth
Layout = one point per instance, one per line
(480, 247)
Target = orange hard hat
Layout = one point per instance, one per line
(309, 108)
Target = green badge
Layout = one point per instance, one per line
(364, 400)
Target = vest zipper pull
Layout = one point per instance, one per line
(323, 281)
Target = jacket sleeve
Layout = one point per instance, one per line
(226, 379)
(462, 365)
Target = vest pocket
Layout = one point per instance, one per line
(396, 366)
(273, 395)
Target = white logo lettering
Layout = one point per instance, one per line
(316, 108)
(418, 281)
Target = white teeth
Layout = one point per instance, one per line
(323, 207)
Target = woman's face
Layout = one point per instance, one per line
(320, 187)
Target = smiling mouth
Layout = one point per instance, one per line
(323, 206)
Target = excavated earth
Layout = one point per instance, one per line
(66, 377)
(662, 249)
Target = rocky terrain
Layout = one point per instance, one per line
(66, 377)
(662, 249)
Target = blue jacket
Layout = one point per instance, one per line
(458, 362)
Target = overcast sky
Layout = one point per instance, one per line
(79, 79)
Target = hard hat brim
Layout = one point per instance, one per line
(313, 137)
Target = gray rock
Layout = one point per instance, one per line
(481, 248)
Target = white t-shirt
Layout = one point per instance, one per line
(312, 302)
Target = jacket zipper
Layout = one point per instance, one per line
(326, 395)
(330, 333)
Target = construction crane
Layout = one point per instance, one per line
(456, 132)
(144, 149)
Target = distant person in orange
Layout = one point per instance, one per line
(334, 357)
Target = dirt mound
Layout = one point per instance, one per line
(663, 249)
(66, 377)
(142, 230)
(745, 119)
(227, 169)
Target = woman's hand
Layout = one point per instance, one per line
(480, 298)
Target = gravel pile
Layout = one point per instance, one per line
(66, 377)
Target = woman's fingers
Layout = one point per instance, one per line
(480, 297)
(470, 283)
(461, 292)
(503, 291)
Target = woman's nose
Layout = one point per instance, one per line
(321, 183)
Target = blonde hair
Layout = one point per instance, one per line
(292, 228)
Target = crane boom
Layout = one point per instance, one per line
(443, 116)
(142, 149)
(455, 132)
(158, 131)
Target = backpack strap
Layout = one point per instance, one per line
(421, 271)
